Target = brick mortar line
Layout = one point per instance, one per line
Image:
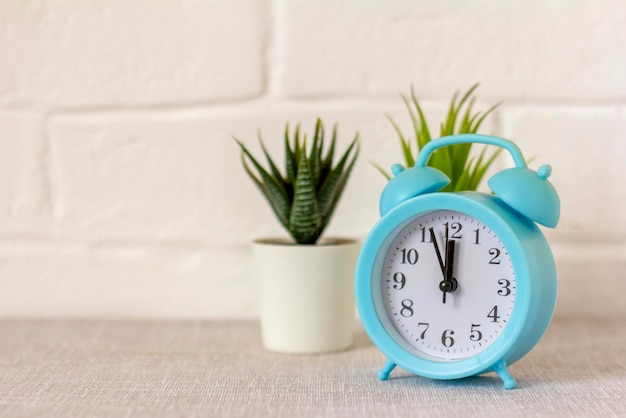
(264, 104)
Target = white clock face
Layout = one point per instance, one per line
(450, 298)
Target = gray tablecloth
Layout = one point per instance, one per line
(202, 368)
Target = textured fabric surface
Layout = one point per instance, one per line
(158, 368)
(130, 368)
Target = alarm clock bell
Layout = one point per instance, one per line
(410, 183)
(526, 191)
(529, 193)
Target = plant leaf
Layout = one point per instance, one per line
(405, 145)
(454, 116)
(381, 170)
(314, 155)
(408, 158)
(304, 221)
(330, 190)
(424, 133)
(482, 118)
(328, 160)
(447, 127)
(297, 146)
(291, 164)
(466, 121)
(340, 187)
(335, 195)
(481, 168)
(440, 159)
(268, 185)
(276, 174)
(463, 180)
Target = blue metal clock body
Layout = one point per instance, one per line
(409, 299)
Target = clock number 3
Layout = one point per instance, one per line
(506, 287)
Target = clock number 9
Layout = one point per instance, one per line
(399, 280)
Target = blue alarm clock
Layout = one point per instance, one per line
(450, 285)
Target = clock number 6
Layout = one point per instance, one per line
(446, 338)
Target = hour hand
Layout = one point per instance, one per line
(449, 283)
(450, 265)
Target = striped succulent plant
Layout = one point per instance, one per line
(305, 197)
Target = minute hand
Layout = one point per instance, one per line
(434, 241)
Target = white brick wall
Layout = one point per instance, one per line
(83, 55)
(122, 193)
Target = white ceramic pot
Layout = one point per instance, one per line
(306, 294)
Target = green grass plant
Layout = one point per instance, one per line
(465, 171)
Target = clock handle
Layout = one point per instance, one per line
(526, 191)
(445, 141)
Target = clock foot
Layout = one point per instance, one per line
(383, 374)
(501, 370)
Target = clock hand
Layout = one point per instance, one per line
(450, 266)
(434, 241)
(449, 283)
